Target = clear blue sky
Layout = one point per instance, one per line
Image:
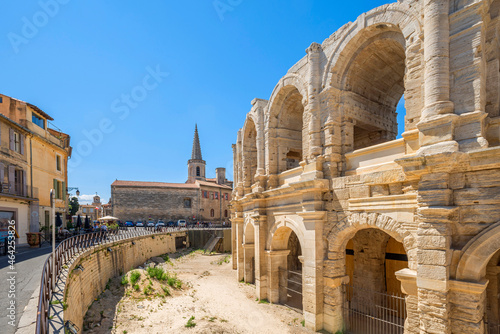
(76, 61)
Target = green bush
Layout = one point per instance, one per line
(124, 280)
(157, 273)
(134, 276)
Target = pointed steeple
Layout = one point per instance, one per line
(196, 154)
(196, 165)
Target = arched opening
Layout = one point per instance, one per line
(198, 173)
(288, 268)
(287, 126)
(249, 253)
(373, 297)
(374, 85)
(249, 154)
(492, 310)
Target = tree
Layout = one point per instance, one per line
(73, 206)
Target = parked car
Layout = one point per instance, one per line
(160, 224)
(171, 224)
(181, 223)
(139, 224)
(150, 224)
(129, 224)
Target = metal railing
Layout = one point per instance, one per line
(77, 244)
(371, 312)
(291, 283)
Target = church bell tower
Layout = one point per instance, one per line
(196, 165)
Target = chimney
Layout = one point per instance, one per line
(221, 175)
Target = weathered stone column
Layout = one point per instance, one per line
(468, 303)
(437, 121)
(260, 223)
(312, 270)
(239, 250)
(276, 259)
(436, 57)
(260, 140)
(314, 87)
(239, 174)
(408, 279)
(249, 253)
(234, 248)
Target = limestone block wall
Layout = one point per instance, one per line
(99, 265)
(137, 203)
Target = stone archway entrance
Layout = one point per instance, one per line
(286, 261)
(249, 253)
(373, 301)
(291, 275)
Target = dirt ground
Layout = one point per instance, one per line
(210, 293)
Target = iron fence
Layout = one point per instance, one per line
(75, 245)
(290, 284)
(373, 312)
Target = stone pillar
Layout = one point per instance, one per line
(239, 250)
(436, 58)
(276, 259)
(468, 303)
(437, 121)
(333, 317)
(260, 223)
(436, 218)
(408, 279)
(314, 87)
(234, 248)
(260, 151)
(347, 136)
(312, 270)
(249, 253)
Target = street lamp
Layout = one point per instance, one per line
(68, 189)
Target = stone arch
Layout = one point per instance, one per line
(344, 231)
(249, 232)
(477, 253)
(396, 14)
(286, 125)
(369, 66)
(280, 231)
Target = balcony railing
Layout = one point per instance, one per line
(21, 190)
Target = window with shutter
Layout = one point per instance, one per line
(11, 139)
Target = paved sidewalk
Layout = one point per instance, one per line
(27, 274)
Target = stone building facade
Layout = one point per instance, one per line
(325, 191)
(199, 199)
(33, 160)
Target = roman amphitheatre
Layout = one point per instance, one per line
(342, 220)
(382, 233)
